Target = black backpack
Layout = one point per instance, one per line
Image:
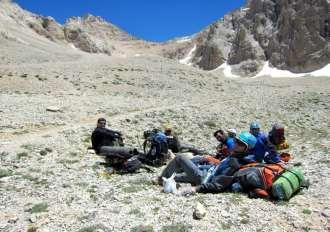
(131, 165)
(155, 147)
(173, 143)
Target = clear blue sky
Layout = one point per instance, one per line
(154, 20)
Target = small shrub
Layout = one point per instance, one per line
(136, 212)
(67, 161)
(132, 189)
(88, 229)
(94, 228)
(177, 228)
(4, 173)
(307, 211)
(30, 178)
(245, 221)
(226, 226)
(142, 228)
(21, 155)
(210, 124)
(32, 229)
(38, 208)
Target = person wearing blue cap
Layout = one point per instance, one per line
(265, 148)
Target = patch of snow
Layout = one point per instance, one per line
(187, 59)
(72, 46)
(278, 73)
(226, 69)
(245, 9)
(184, 39)
(325, 71)
(137, 55)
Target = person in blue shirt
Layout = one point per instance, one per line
(226, 145)
(265, 148)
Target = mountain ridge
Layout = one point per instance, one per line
(290, 35)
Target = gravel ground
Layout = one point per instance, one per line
(50, 182)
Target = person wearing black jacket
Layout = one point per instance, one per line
(103, 136)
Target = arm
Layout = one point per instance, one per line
(112, 133)
(218, 184)
(273, 156)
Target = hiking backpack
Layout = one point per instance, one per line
(267, 180)
(155, 147)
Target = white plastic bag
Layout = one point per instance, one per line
(169, 184)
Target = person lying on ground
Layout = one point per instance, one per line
(197, 174)
(255, 180)
(102, 136)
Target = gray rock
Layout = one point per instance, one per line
(199, 211)
(53, 109)
(33, 218)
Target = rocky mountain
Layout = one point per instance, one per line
(89, 33)
(93, 34)
(292, 35)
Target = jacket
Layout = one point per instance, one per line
(103, 137)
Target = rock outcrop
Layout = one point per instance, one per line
(292, 35)
(93, 34)
(48, 27)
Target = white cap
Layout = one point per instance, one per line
(232, 131)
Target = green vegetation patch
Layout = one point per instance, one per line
(5, 172)
(177, 228)
(142, 228)
(39, 208)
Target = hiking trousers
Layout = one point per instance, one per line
(187, 171)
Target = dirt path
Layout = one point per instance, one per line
(12, 142)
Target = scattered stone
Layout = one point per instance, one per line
(53, 109)
(43, 152)
(297, 164)
(24, 75)
(199, 211)
(3, 225)
(326, 213)
(33, 218)
(13, 219)
(48, 149)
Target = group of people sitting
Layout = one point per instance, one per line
(244, 162)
